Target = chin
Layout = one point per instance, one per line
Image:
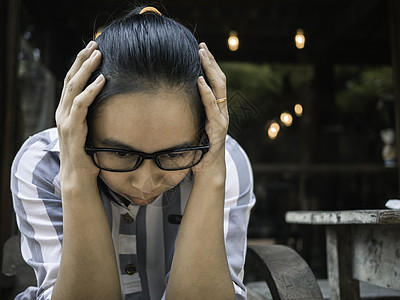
(141, 201)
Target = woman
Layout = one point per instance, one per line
(138, 193)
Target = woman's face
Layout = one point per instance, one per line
(146, 122)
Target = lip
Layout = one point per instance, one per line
(141, 201)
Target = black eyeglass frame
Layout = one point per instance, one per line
(91, 151)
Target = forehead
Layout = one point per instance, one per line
(148, 122)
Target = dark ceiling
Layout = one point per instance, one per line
(337, 31)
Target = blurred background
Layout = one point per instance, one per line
(311, 93)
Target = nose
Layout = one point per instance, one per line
(147, 177)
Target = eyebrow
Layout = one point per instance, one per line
(111, 142)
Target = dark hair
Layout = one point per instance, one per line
(146, 52)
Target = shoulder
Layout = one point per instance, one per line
(39, 154)
(46, 140)
(239, 174)
(235, 157)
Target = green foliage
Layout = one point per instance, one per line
(360, 87)
(363, 106)
(266, 85)
(268, 89)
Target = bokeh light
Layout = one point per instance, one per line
(298, 109)
(233, 41)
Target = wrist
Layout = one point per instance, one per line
(214, 177)
(76, 182)
(78, 172)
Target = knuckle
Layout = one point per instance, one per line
(213, 81)
(89, 91)
(67, 78)
(82, 100)
(209, 93)
(74, 86)
(212, 103)
(221, 84)
(223, 77)
(81, 56)
(78, 103)
(70, 86)
(58, 118)
(217, 83)
(85, 64)
(210, 56)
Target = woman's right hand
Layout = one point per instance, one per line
(72, 111)
(86, 232)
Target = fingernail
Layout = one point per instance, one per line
(205, 46)
(203, 53)
(95, 52)
(99, 79)
(201, 80)
(90, 45)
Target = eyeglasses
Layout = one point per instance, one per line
(120, 160)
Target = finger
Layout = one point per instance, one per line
(223, 105)
(212, 109)
(82, 102)
(217, 67)
(217, 81)
(82, 56)
(75, 86)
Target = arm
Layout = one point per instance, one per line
(88, 252)
(200, 267)
(239, 200)
(37, 205)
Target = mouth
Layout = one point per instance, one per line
(141, 201)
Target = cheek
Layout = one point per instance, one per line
(114, 180)
(174, 178)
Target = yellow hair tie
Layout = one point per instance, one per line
(150, 9)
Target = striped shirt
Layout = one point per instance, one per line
(144, 236)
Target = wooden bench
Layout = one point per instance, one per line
(286, 273)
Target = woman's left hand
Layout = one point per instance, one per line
(200, 258)
(217, 121)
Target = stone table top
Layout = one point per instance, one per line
(368, 216)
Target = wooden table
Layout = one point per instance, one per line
(362, 245)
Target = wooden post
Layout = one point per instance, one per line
(10, 16)
(338, 248)
(394, 11)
